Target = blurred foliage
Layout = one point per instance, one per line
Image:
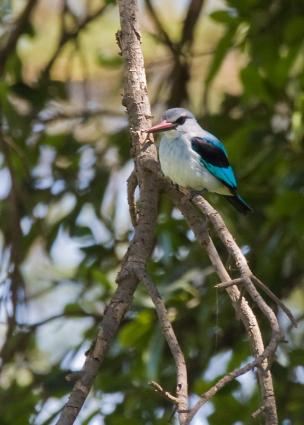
(65, 227)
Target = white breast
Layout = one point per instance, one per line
(183, 166)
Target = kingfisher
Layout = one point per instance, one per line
(195, 159)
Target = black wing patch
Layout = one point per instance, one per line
(212, 154)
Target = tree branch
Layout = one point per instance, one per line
(232, 282)
(274, 298)
(189, 25)
(240, 304)
(181, 70)
(176, 351)
(183, 202)
(136, 101)
(156, 387)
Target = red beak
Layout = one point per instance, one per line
(163, 126)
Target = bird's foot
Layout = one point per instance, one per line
(185, 192)
(189, 195)
(181, 189)
(194, 193)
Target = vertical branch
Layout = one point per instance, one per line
(192, 16)
(181, 70)
(139, 251)
(180, 364)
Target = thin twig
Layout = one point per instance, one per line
(274, 298)
(232, 282)
(168, 396)
(227, 379)
(265, 288)
(258, 412)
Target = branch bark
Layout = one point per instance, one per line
(138, 108)
(239, 302)
(177, 353)
(181, 71)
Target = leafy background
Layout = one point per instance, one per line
(64, 220)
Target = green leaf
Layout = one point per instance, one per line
(154, 353)
(137, 331)
(72, 309)
(108, 61)
(254, 84)
(294, 30)
(223, 16)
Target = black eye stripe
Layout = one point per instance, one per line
(180, 120)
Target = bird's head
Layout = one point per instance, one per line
(177, 119)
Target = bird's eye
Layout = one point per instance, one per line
(180, 120)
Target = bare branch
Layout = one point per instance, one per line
(232, 282)
(176, 351)
(271, 295)
(252, 327)
(136, 100)
(168, 396)
(198, 225)
(240, 261)
(192, 16)
(227, 379)
(180, 73)
(258, 412)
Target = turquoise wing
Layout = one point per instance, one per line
(214, 157)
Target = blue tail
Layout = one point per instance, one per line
(238, 202)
